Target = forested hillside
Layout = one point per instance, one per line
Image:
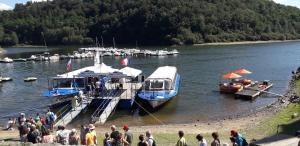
(150, 22)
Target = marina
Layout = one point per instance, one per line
(83, 53)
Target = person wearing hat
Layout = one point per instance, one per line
(239, 139)
(91, 137)
(128, 136)
(21, 118)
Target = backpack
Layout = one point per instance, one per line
(154, 142)
(53, 117)
(245, 143)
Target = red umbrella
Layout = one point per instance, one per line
(242, 71)
(231, 75)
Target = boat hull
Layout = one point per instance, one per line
(158, 98)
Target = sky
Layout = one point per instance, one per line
(9, 4)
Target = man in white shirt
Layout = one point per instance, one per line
(150, 139)
(202, 141)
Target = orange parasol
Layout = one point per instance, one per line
(231, 75)
(242, 71)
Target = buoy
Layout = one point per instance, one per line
(30, 79)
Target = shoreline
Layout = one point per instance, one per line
(203, 44)
(245, 42)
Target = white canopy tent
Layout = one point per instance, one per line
(132, 72)
(97, 68)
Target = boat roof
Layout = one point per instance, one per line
(129, 71)
(164, 72)
(101, 69)
(97, 68)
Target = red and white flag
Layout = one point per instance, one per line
(124, 62)
(69, 65)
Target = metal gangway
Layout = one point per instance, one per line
(67, 113)
(110, 99)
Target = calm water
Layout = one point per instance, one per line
(200, 67)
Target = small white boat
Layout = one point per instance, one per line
(7, 60)
(117, 53)
(55, 57)
(32, 57)
(161, 52)
(30, 79)
(6, 79)
(173, 52)
(20, 60)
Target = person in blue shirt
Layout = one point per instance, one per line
(239, 139)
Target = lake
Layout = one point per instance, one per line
(201, 68)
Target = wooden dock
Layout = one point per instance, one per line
(73, 113)
(253, 91)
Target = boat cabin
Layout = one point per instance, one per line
(161, 79)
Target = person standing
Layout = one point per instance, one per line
(181, 141)
(83, 132)
(239, 139)
(23, 131)
(21, 118)
(73, 137)
(201, 140)
(128, 136)
(51, 117)
(114, 133)
(106, 140)
(91, 138)
(142, 141)
(216, 140)
(150, 139)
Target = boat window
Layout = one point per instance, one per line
(156, 84)
(147, 85)
(79, 83)
(62, 83)
(168, 85)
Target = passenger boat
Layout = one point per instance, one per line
(161, 86)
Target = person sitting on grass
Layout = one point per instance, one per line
(181, 141)
(202, 141)
(10, 124)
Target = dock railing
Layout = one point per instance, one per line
(111, 96)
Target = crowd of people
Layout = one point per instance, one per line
(39, 129)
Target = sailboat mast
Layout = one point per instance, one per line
(114, 43)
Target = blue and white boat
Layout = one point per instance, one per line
(161, 86)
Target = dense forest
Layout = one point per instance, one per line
(148, 22)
